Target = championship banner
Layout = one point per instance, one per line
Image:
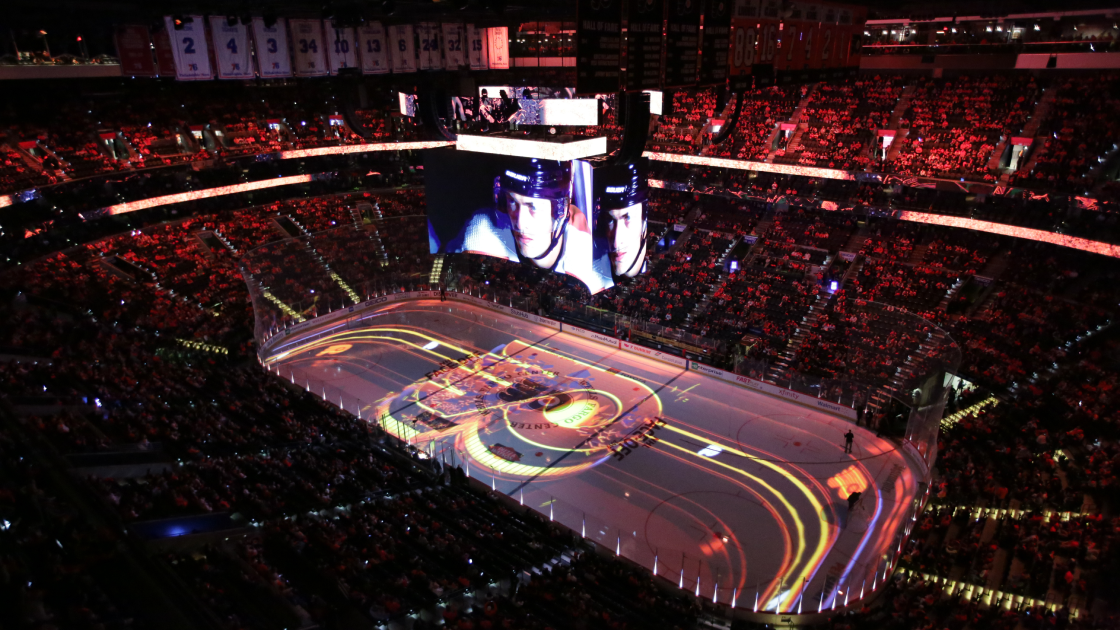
(453, 46)
(273, 58)
(165, 57)
(402, 48)
(371, 43)
(598, 46)
(643, 44)
(309, 59)
(716, 42)
(682, 44)
(341, 48)
(476, 39)
(134, 49)
(231, 49)
(430, 57)
(497, 48)
(188, 45)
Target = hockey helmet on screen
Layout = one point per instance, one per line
(621, 186)
(539, 179)
(618, 187)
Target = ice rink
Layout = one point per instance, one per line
(721, 489)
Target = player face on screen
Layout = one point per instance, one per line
(536, 199)
(626, 235)
(532, 223)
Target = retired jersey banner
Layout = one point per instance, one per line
(643, 44)
(274, 60)
(431, 53)
(476, 39)
(188, 45)
(165, 57)
(497, 49)
(231, 49)
(134, 49)
(682, 43)
(790, 55)
(309, 57)
(454, 46)
(341, 47)
(825, 45)
(745, 23)
(717, 41)
(598, 46)
(402, 48)
(371, 45)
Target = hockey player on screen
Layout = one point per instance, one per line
(538, 218)
(620, 194)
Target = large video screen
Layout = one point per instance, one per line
(565, 217)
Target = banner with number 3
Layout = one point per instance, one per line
(188, 46)
(273, 58)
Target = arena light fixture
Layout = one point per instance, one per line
(152, 202)
(363, 148)
(750, 165)
(1042, 236)
(540, 149)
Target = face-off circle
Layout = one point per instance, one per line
(531, 407)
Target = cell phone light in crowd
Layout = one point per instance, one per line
(734, 265)
(833, 286)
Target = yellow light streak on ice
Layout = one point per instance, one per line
(822, 541)
(364, 334)
(398, 428)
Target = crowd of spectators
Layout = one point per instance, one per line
(348, 524)
(842, 122)
(680, 130)
(759, 118)
(1078, 136)
(955, 124)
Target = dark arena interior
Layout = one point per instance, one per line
(532, 314)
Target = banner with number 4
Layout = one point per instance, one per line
(231, 49)
(188, 46)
